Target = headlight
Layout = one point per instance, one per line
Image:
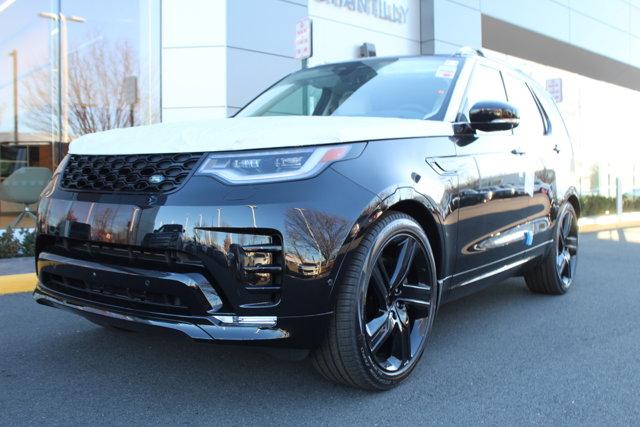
(285, 164)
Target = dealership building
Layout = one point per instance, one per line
(69, 67)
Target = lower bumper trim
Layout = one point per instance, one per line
(217, 330)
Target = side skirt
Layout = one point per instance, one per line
(502, 269)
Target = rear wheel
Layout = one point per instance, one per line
(555, 274)
(384, 308)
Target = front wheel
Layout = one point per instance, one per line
(555, 274)
(384, 310)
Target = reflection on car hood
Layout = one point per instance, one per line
(248, 133)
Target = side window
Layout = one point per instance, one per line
(531, 122)
(486, 85)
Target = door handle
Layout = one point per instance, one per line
(517, 152)
(556, 148)
(443, 165)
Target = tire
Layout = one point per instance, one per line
(555, 274)
(384, 308)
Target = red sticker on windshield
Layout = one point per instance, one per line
(448, 69)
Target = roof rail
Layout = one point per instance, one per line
(469, 51)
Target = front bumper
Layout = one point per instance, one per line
(210, 261)
(290, 332)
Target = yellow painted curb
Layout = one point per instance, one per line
(16, 283)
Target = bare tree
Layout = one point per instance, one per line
(97, 98)
(316, 231)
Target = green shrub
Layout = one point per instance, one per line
(599, 205)
(631, 205)
(9, 245)
(28, 243)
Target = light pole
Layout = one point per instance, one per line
(64, 72)
(14, 55)
(253, 212)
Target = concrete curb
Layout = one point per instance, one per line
(592, 224)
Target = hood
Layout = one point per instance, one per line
(248, 133)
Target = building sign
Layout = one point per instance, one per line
(304, 39)
(388, 10)
(554, 87)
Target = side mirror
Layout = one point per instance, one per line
(490, 116)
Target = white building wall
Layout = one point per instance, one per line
(339, 31)
(259, 46)
(194, 38)
(610, 28)
(448, 25)
(218, 54)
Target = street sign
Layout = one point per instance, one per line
(304, 39)
(130, 90)
(554, 87)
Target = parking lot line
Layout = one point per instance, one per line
(16, 283)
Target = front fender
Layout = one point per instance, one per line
(398, 174)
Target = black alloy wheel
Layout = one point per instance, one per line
(555, 274)
(567, 248)
(385, 306)
(396, 308)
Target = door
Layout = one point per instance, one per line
(493, 203)
(535, 139)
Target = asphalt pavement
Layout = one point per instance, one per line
(17, 265)
(502, 356)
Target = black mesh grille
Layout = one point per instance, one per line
(123, 295)
(129, 173)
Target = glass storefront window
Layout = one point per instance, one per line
(67, 68)
(595, 113)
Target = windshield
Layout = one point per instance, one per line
(414, 88)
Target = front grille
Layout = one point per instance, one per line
(128, 173)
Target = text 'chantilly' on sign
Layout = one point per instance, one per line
(383, 9)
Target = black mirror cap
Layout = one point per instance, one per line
(489, 116)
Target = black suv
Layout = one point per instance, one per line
(336, 212)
